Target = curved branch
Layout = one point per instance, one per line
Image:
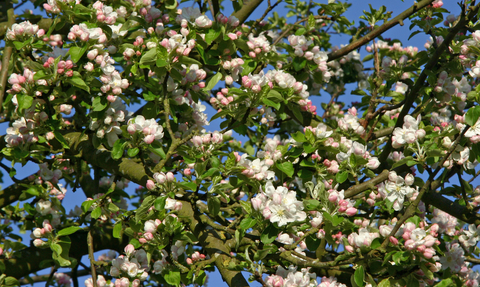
(7, 54)
(246, 10)
(375, 33)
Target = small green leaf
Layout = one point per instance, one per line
(99, 104)
(149, 57)
(11, 281)
(300, 31)
(341, 177)
(286, 167)
(269, 234)
(213, 205)
(299, 137)
(445, 283)
(97, 212)
(472, 116)
(173, 278)
(160, 203)
(188, 185)
(24, 101)
(76, 53)
(247, 223)
(142, 211)
(213, 81)
(87, 204)
(117, 230)
(78, 82)
(133, 152)
(118, 148)
(359, 276)
(270, 103)
(112, 207)
(68, 230)
(61, 139)
(56, 248)
(212, 35)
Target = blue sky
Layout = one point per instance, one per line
(401, 33)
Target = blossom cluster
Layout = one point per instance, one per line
(150, 129)
(23, 31)
(396, 188)
(132, 268)
(279, 205)
(291, 277)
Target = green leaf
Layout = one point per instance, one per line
(311, 204)
(11, 281)
(142, 211)
(212, 35)
(445, 283)
(77, 52)
(267, 102)
(87, 204)
(68, 230)
(275, 95)
(269, 234)
(133, 152)
(56, 248)
(300, 31)
(118, 148)
(188, 185)
(173, 278)
(247, 223)
(78, 82)
(286, 167)
(299, 63)
(341, 177)
(112, 207)
(117, 230)
(359, 276)
(99, 104)
(384, 283)
(213, 205)
(61, 139)
(24, 102)
(149, 58)
(209, 172)
(299, 137)
(160, 203)
(248, 66)
(296, 112)
(213, 81)
(97, 212)
(171, 4)
(472, 116)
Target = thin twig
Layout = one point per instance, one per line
(92, 259)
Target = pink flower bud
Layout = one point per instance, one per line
(150, 184)
(170, 177)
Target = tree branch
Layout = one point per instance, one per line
(7, 54)
(247, 10)
(375, 33)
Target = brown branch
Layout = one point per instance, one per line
(378, 31)
(356, 189)
(91, 257)
(246, 10)
(7, 54)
